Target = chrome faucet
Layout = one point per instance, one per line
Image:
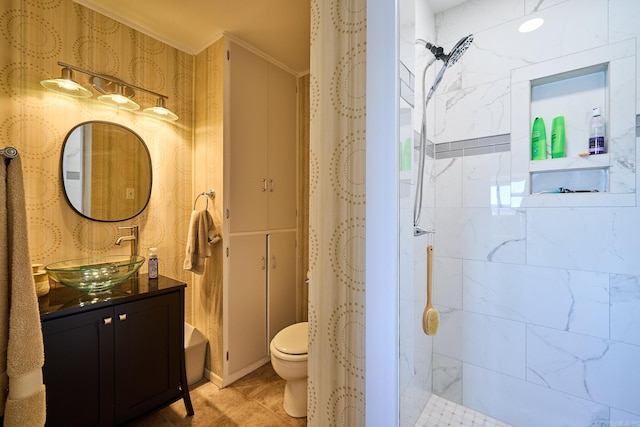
(133, 238)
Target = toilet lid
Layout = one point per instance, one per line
(293, 339)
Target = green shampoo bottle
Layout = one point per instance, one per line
(538, 140)
(557, 138)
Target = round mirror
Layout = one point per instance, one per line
(106, 171)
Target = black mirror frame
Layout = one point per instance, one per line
(62, 182)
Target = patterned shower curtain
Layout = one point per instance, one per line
(337, 214)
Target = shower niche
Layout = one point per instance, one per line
(571, 86)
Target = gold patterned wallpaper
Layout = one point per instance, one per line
(34, 36)
(208, 161)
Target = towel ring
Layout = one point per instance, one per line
(211, 194)
(9, 152)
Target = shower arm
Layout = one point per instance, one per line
(437, 51)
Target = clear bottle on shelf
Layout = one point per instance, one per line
(596, 133)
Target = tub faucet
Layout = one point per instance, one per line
(133, 238)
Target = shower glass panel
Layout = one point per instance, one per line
(415, 348)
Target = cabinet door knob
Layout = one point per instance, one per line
(107, 321)
(263, 263)
(264, 185)
(271, 186)
(273, 261)
(122, 317)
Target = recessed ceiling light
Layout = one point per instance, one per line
(531, 25)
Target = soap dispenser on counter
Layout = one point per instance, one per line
(153, 263)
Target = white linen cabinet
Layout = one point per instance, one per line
(259, 208)
(262, 148)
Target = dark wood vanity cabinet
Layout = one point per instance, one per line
(78, 369)
(107, 365)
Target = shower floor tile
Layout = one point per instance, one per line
(440, 412)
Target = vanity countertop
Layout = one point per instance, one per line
(63, 301)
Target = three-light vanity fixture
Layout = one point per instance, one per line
(114, 92)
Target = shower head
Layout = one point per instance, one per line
(458, 50)
(453, 56)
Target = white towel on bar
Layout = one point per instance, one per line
(202, 235)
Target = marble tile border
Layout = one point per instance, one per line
(482, 145)
(428, 150)
(472, 147)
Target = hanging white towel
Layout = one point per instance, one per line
(202, 235)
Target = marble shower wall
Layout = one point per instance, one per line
(539, 322)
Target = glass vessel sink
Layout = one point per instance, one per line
(95, 274)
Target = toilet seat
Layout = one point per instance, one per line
(293, 339)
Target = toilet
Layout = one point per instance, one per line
(289, 359)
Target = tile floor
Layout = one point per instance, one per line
(440, 412)
(254, 400)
